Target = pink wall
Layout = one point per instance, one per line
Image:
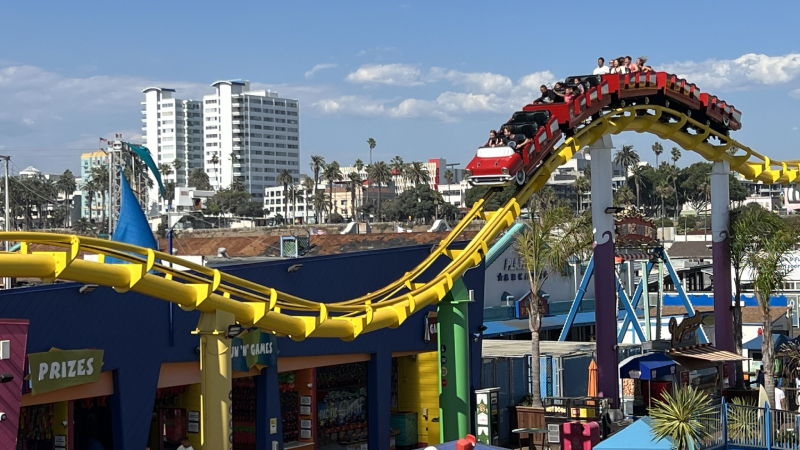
(16, 331)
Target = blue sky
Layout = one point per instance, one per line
(425, 79)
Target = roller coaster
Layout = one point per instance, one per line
(654, 102)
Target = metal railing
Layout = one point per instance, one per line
(742, 426)
(714, 424)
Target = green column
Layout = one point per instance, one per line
(454, 336)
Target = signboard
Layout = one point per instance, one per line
(254, 348)
(431, 328)
(685, 333)
(58, 369)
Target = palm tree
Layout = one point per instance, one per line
(398, 169)
(658, 149)
(636, 173)
(581, 185)
(663, 191)
(332, 174)
(379, 174)
(747, 225)
(237, 186)
(215, 160)
(624, 196)
(680, 418)
(90, 187)
(554, 236)
(676, 155)
(371, 143)
(354, 183)
(99, 175)
(66, 184)
(198, 178)
(320, 202)
(627, 158)
(673, 172)
(767, 257)
(285, 178)
(448, 175)
(177, 164)
(309, 188)
(359, 165)
(417, 174)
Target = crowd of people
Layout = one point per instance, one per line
(565, 92)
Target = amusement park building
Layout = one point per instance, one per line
(146, 392)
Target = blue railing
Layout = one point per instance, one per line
(738, 426)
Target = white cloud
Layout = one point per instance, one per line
(744, 72)
(27, 121)
(318, 67)
(390, 74)
(351, 104)
(795, 94)
(472, 81)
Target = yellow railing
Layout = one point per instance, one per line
(252, 304)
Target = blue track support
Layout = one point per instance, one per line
(682, 294)
(573, 310)
(637, 328)
(637, 296)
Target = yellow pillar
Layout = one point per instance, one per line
(215, 387)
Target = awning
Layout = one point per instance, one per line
(706, 352)
(648, 366)
(517, 326)
(637, 436)
(755, 343)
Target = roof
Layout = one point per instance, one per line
(705, 352)
(506, 348)
(690, 249)
(30, 169)
(239, 82)
(636, 436)
(750, 314)
(153, 88)
(327, 244)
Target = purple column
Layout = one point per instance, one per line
(721, 252)
(604, 281)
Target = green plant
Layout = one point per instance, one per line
(743, 420)
(526, 401)
(679, 418)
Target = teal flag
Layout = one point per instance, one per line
(144, 153)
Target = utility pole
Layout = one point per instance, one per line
(6, 280)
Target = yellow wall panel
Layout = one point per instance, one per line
(417, 389)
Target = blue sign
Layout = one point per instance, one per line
(254, 348)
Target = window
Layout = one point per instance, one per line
(278, 111)
(269, 127)
(280, 120)
(280, 162)
(211, 102)
(212, 136)
(280, 128)
(293, 146)
(269, 169)
(257, 152)
(293, 130)
(167, 147)
(169, 139)
(212, 119)
(167, 113)
(256, 127)
(284, 145)
(268, 102)
(255, 109)
(293, 121)
(167, 105)
(269, 161)
(277, 103)
(293, 155)
(280, 136)
(292, 138)
(256, 144)
(292, 105)
(212, 127)
(292, 113)
(269, 144)
(212, 144)
(280, 153)
(211, 110)
(167, 122)
(257, 161)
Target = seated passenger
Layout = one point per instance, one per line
(630, 65)
(641, 63)
(568, 95)
(548, 96)
(493, 141)
(578, 86)
(601, 68)
(511, 139)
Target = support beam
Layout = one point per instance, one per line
(701, 333)
(215, 384)
(721, 254)
(379, 398)
(626, 322)
(579, 293)
(630, 312)
(604, 277)
(454, 373)
(269, 407)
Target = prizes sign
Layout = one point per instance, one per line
(253, 348)
(57, 369)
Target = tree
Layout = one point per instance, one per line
(165, 169)
(495, 202)
(658, 149)
(581, 185)
(317, 165)
(354, 183)
(448, 175)
(308, 188)
(420, 202)
(332, 174)
(99, 175)
(371, 143)
(398, 169)
(359, 165)
(250, 209)
(747, 227)
(664, 191)
(215, 161)
(66, 184)
(553, 237)
(198, 179)
(320, 202)
(676, 155)
(169, 190)
(767, 258)
(285, 178)
(627, 158)
(416, 173)
(379, 174)
(237, 186)
(177, 164)
(637, 172)
(680, 418)
(624, 196)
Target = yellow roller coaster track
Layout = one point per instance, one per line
(252, 304)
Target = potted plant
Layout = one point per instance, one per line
(682, 418)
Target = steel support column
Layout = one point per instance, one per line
(721, 254)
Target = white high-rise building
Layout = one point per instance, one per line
(249, 136)
(173, 132)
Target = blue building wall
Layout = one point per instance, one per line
(134, 331)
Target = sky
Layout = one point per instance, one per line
(424, 79)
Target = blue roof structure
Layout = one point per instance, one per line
(637, 436)
(755, 343)
(651, 366)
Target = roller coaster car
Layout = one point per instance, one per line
(582, 107)
(501, 166)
